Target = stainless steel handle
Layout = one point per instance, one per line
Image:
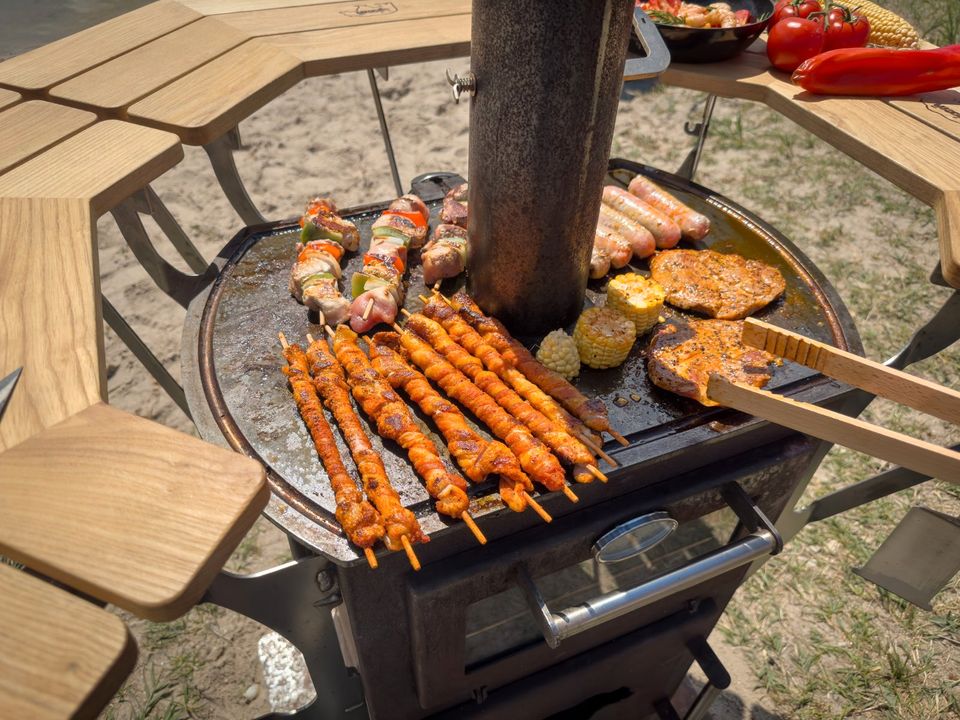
(556, 626)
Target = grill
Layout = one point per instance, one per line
(525, 624)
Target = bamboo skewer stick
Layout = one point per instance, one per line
(596, 449)
(571, 496)
(367, 309)
(537, 507)
(411, 555)
(477, 533)
(618, 437)
(596, 473)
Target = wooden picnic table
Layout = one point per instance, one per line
(139, 515)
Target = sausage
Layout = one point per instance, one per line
(692, 224)
(640, 239)
(665, 231)
(614, 245)
(599, 263)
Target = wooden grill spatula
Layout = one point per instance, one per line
(928, 397)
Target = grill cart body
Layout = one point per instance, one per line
(531, 623)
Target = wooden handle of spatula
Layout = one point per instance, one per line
(894, 447)
(896, 385)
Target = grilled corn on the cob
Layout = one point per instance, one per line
(886, 28)
(637, 297)
(604, 337)
(558, 352)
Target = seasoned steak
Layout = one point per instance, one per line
(720, 285)
(683, 354)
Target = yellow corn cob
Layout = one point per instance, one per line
(604, 337)
(640, 299)
(559, 352)
(886, 28)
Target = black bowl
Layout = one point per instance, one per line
(701, 45)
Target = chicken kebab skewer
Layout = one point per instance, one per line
(395, 422)
(400, 524)
(593, 413)
(378, 288)
(570, 450)
(358, 518)
(437, 308)
(324, 236)
(476, 456)
(535, 458)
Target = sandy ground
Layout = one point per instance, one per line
(289, 154)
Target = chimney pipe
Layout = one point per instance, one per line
(548, 79)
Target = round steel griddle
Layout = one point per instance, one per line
(241, 394)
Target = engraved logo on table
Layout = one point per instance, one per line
(364, 9)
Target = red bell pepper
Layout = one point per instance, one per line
(880, 72)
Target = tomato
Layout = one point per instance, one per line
(792, 41)
(845, 29)
(793, 8)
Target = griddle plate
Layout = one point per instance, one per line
(249, 304)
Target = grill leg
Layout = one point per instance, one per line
(220, 152)
(689, 167)
(388, 145)
(295, 600)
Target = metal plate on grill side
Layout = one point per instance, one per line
(239, 362)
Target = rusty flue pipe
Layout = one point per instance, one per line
(548, 79)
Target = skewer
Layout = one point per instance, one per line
(597, 449)
(423, 298)
(618, 437)
(367, 309)
(411, 555)
(537, 507)
(368, 552)
(571, 496)
(436, 286)
(405, 312)
(596, 473)
(477, 533)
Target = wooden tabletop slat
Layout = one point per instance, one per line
(127, 510)
(8, 98)
(346, 49)
(130, 77)
(221, 7)
(940, 110)
(204, 104)
(342, 14)
(46, 66)
(60, 657)
(34, 125)
(103, 164)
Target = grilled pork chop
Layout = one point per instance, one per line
(720, 285)
(683, 354)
